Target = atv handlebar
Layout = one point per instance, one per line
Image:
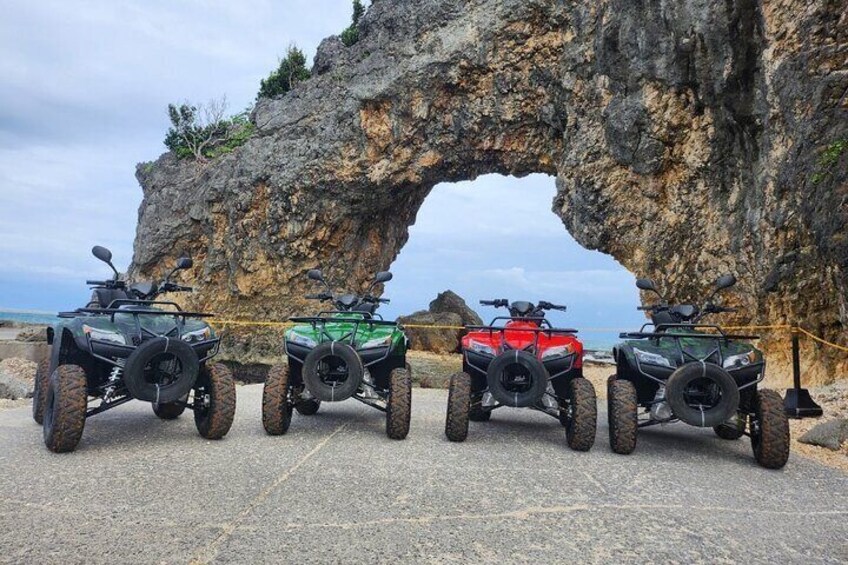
(497, 302)
(548, 306)
(319, 296)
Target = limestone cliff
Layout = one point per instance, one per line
(684, 138)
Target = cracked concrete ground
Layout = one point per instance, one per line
(335, 489)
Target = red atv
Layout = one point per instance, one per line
(525, 363)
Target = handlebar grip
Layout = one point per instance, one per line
(313, 296)
(98, 283)
(488, 302)
(384, 300)
(644, 308)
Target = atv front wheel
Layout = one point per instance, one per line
(770, 430)
(170, 410)
(276, 410)
(214, 401)
(623, 416)
(732, 429)
(308, 407)
(64, 408)
(39, 391)
(459, 401)
(581, 415)
(399, 405)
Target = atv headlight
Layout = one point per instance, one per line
(649, 358)
(377, 342)
(738, 361)
(558, 351)
(104, 335)
(302, 340)
(198, 335)
(478, 347)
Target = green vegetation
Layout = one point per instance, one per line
(292, 70)
(203, 132)
(351, 34)
(829, 158)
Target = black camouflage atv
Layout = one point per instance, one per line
(127, 345)
(683, 370)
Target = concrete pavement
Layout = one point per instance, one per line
(335, 489)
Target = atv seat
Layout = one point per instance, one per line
(365, 309)
(103, 297)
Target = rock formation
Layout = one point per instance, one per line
(685, 138)
(447, 309)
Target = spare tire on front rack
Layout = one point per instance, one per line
(332, 371)
(516, 378)
(161, 370)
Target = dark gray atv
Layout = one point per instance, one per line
(124, 345)
(680, 369)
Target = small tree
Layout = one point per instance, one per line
(292, 70)
(203, 131)
(351, 34)
(196, 128)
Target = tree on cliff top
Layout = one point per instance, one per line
(291, 70)
(203, 131)
(351, 34)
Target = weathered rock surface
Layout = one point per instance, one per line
(435, 340)
(684, 137)
(830, 434)
(16, 378)
(449, 301)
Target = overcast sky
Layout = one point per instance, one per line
(83, 98)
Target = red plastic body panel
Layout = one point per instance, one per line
(520, 334)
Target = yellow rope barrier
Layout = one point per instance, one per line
(820, 340)
(582, 330)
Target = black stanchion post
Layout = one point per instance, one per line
(798, 402)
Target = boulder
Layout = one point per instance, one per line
(437, 340)
(33, 334)
(831, 434)
(16, 378)
(449, 301)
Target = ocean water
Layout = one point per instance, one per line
(27, 317)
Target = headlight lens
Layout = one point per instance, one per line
(377, 342)
(558, 351)
(104, 335)
(302, 340)
(741, 360)
(198, 335)
(651, 358)
(478, 347)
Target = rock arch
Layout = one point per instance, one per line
(683, 138)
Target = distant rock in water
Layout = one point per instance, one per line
(450, 302)
(448, 309)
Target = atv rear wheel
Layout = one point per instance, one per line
(214, 401)
(581, 415)
(399, 404)
(276, 410)
(623, 416)
(64, 408)
(39, 391)
(770, 430)
(732, 429)
(308, 407)
(459, 400)
(170, 410)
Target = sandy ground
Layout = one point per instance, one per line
(335, 489)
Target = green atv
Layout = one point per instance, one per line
(127, 345)
(683, 370)
(347, 352)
